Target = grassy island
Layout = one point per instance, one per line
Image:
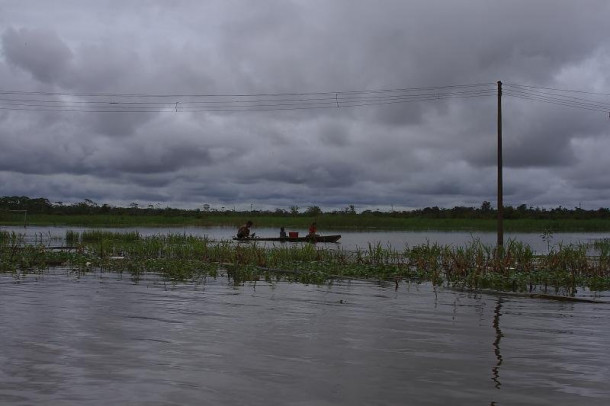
(188, 258)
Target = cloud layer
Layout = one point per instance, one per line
(408, 154)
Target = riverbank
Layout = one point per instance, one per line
(325, 221)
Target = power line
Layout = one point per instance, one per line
(559, 101)
(344, 98)
(17, 100)
(20, 92)
(147, 102)
(558, 97)
(556, 89)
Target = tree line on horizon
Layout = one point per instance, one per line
(485, 211)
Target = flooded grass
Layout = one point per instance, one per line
(179, 257)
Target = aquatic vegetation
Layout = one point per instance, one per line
(180, 257)
(72, 237)
(97, 236)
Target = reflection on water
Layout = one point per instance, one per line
(99, 339)
(496, 369)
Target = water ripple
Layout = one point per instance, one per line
(101, 339)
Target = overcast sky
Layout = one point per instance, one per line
(297, 147)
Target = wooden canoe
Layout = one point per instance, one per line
(317, 238)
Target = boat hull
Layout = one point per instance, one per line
(318, 238)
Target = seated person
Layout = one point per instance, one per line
(244, 231)
(313, 229)
(282, 233)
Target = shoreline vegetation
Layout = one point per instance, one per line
(19, 210)
(184, 258)
(324, 221)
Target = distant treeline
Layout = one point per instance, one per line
(485, 211)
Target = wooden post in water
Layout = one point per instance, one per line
(500, 244)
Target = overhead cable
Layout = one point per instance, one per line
(132, 102)
(560, 97)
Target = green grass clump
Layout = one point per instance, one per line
(97, 236)
(179, 257)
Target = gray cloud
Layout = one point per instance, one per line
(422, 153)
(40, 52)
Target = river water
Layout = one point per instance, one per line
(101, 339)
(350, 240)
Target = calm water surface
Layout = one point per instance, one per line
(101, 339)
(350, 240)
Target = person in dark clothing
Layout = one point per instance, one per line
(244, 231)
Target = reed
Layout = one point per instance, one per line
(97, 236)
(178, 257)
(72, 237)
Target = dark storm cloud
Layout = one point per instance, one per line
(116, 124)
(333, 134)
(109, 67)
(590, 174)
(314, 175)
(153, 180)
(439, 152)
(152, 159)
(40, 52)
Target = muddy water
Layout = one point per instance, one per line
(350, 240)
(101, 339)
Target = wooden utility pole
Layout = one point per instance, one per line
(500, 203)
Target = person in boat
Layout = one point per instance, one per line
(244, 231)
(313, 230)
(282, 232)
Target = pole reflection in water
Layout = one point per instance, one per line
(495, 371)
